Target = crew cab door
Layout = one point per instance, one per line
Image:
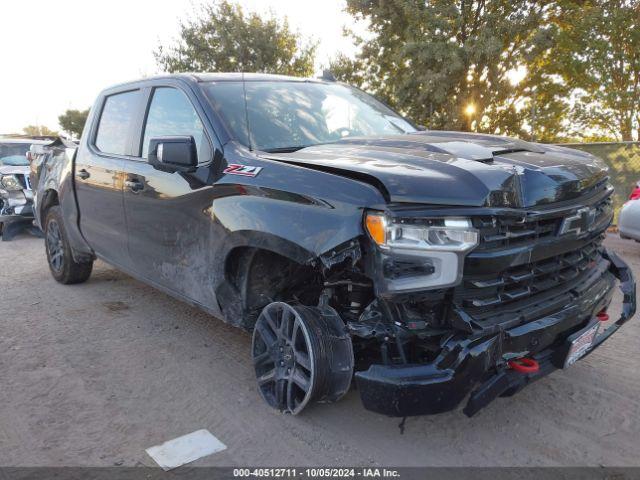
(167, 210)
(99, 176)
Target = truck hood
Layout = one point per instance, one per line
(453, 168)
(14, 170)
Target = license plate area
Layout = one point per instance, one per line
(580, 343)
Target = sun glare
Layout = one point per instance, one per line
(470, 109)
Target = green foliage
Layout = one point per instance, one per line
(430, 59)
(225, 39)
(39, 130)
(72, 122)
(348, 70)
(544, 96)
(598, 53)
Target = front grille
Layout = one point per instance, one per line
(509, 232)
(520, 259)
(529, 279)
(504, 232)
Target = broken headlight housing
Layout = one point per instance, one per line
(10, 183)
(421, 254)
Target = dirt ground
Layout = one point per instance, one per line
(93, 374)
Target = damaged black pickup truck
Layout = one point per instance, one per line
(430, 266)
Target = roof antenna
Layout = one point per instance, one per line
(328, 76)
(246, 113)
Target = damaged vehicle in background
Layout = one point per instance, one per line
(431, 266)
(16, 195)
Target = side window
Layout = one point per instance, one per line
(115, 122)
(170, 114)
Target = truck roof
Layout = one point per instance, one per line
(202, 77)
(249, 77)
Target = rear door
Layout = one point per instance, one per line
(99, 175)
(167, 212)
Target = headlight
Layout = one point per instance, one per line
(423, 255)
(10, 182)
(447, 234)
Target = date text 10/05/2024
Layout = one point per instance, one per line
(316, 472)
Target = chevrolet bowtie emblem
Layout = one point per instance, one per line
(579, 223)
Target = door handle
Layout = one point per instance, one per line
(83, 174)
(134, 185)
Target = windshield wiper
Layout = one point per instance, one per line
(285, 149)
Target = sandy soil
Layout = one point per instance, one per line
(92, 374)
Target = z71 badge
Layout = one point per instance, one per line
(245, 170)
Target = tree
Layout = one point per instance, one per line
(449, 64)
(72, 122)
(224, 38)
(598, 53)
(39, 130)
(545, 97)
(348, 70)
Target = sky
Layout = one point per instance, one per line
(60, 54)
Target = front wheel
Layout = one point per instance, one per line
(301, 354)
(61, 263)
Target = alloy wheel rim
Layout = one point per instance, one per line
(55, 246)
(283, 358)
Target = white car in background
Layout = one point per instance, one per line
(629, 217)
(16, 195)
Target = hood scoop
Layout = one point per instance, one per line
(467, 146)
(466, 150)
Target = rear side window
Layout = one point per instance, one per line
(116, 121)
(172, 114)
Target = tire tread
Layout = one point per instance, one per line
(72, 272)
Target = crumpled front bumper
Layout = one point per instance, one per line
(16, 205)
(472, 362)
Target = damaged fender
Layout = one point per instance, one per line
(312, 223)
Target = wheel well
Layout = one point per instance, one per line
(257, 277)
(49, 199)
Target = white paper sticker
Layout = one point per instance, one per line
(179, 451)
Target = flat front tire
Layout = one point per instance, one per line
(61, 263)
(300, 355)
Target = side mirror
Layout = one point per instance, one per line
(173, 154)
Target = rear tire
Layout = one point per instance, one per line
(61, 263)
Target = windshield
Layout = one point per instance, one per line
(14, 154)
(283, 116)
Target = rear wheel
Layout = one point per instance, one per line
(300, 355)
(61, 263)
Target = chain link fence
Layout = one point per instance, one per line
(623, 159)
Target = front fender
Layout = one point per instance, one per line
(286, 222)
(311, 209)
(300, 227)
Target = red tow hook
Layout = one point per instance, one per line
(524, 365)
(602, 315)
